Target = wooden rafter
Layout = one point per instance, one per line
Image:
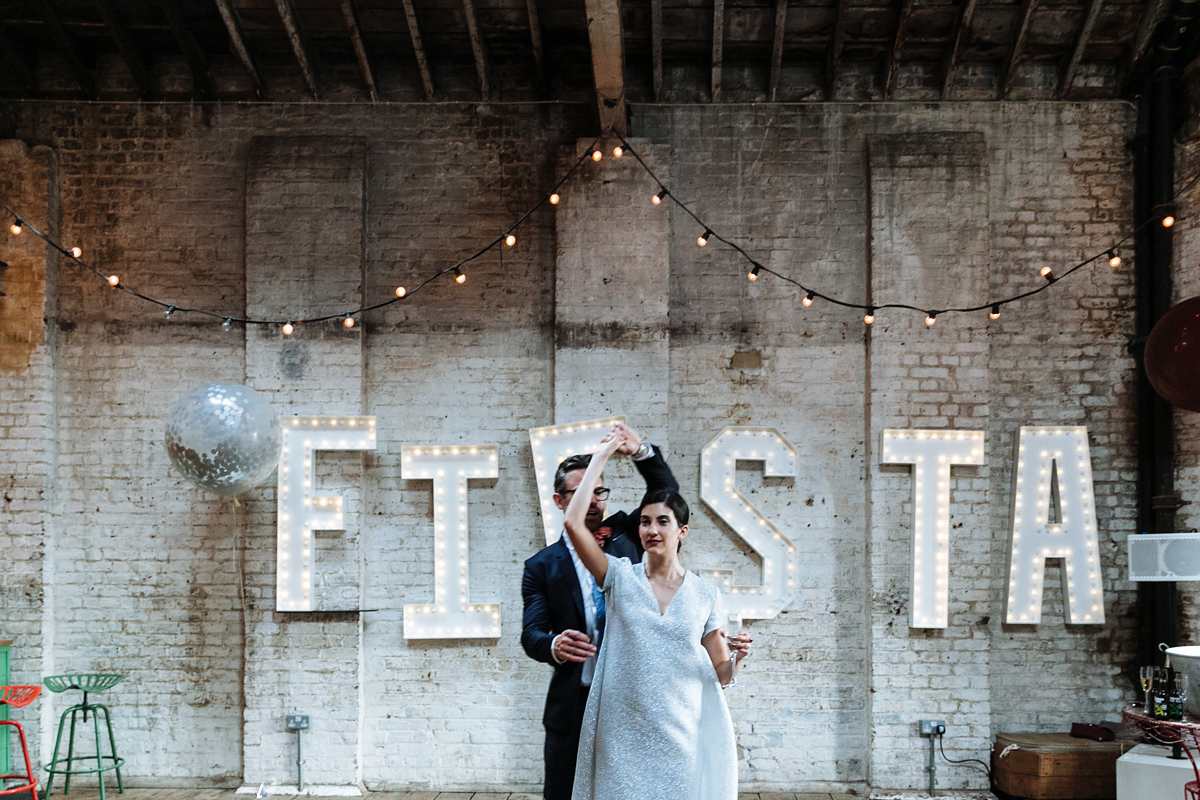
(834, 64)
(66, 46)
(1081, 43)
(777, 48)
(608, 62)
(360, 48)
(414, 33)
(718, 47)
(192, 53)
(656, 46)
(950, 65)
(291, 24)
(535, 39)
(893, 63)
(127, 49)
(13, 58)
(1154, 14)
(1014, 52)
(477, 48)
(238, 41)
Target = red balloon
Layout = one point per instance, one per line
(1172, 357)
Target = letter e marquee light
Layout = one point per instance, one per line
(299, 511)
(550, 446)
(1053, 463)
(931, 453)
(451, 615)
(718, 489)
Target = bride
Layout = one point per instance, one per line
(656, 725)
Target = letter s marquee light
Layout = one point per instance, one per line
(1047, 456)
(939, 450)
(550, 446)
(299, 512)
(450, 615)
(718, 489)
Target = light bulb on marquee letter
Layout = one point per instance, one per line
(550, 446)
(718, 489)
(300, 511)
(451, 615)
(1045, 453)
(932, 453)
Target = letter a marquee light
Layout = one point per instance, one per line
(1045, 454)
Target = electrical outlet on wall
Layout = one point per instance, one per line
(933, 727)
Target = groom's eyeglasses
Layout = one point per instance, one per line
(599, 494)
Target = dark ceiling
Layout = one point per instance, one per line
(693, 51)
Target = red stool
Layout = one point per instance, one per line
(17, 697)
(1191, 790)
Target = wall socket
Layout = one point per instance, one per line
(933, 727)
(297, 722)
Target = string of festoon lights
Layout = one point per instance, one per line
(1163, 215)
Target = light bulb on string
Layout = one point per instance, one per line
(753, 274)
(17, 226)
(170, 310)
(459, 277)
(228, 323)
(288, 327)
(930, 319)
(658, 198)
(869, 317)
(510, 239)
(401, 291)
(808, 300)
(348, 321)
(702, 239)
(618, 151)
(995, 312)
(554, 198)
(1048, 274)
(597, 155)
(113, 280)
(76, 252)
(1168, 221)
(1114, 260)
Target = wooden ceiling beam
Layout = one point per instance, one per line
(893, 62)
(1014, 53)
(656, 46)
(291, 25)
(1081, 43)
(67, 48)
(478, 48)
(718, 48)
(414, 33)
(608, 62)
(127, 49)
(833, 65)
(535, 39)
(237, 39)
(777, 49)
(360, 48)
(13, 58)
(193, 55)
(950, 65)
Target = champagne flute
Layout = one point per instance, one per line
(1146, 675)
(733, 625)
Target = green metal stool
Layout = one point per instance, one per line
(66, 766)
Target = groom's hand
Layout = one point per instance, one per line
(573, 646)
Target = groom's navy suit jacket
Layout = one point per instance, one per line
(554, 601)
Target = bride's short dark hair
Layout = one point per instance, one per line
(670, 499)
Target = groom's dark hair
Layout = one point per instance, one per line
(670, 499)
(569, 464)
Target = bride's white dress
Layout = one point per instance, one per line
(656, 726)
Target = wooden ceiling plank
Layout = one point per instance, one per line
(360, 48)
(238, 40)
(777, 49)
(1014, 53)
(125, 46)
(13, 57)
(291, 25)
(478, 49)
(656, 46)
(414, 33)
(193, 55)
(718, 46)
(893, 62)
(834, 63)
(67, 47)
(535, 39)
(950, 65)
(608, 62)
(1081, 43)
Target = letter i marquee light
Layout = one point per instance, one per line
(718, 489)
(451, 615)
(931, 453)
(1050, 461)
(550, 446)
(299, 511)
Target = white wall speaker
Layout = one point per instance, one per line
(1164, 557)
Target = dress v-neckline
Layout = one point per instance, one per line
(662, 612)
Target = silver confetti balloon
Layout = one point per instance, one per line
(224, 437)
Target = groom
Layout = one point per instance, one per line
(564, 609)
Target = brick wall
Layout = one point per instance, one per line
(153, 577)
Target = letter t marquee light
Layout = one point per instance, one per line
(299, 512)
(1050, 459)
(932, 453)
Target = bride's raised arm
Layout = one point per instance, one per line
(573, 518)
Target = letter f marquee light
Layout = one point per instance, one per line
(1053, 516)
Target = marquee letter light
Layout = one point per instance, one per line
(550, 446)
(941, 450)
(718, 489)
(451, 615)
(1053, 461)
(299, 511)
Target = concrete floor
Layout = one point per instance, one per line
(91, 793)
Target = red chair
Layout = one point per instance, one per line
(17, 697)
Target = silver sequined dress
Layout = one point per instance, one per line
(656, 725)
